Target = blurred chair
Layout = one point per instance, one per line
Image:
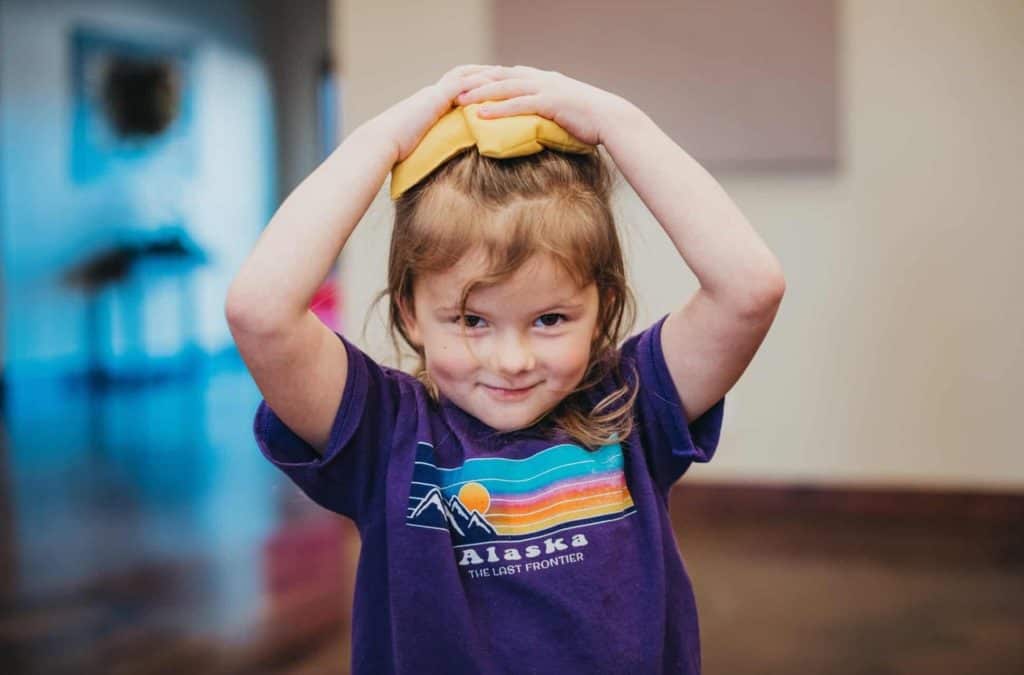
(114, 267)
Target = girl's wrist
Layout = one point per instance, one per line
(620, 114)
(377, 131)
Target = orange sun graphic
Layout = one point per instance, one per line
(475, 496)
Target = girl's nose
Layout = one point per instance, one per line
(512, 357)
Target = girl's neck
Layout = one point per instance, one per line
(543, 429)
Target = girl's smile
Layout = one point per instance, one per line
(521, 347)
(504, 394)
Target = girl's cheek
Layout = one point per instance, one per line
(571, 353)
(451, 361)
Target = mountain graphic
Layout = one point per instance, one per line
(478, 523)
(467, 524)
(456, 506)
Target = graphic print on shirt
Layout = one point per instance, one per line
(495, 499)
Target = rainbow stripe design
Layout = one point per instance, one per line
(494, 499)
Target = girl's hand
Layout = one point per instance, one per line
(408, 120)
(581, 109)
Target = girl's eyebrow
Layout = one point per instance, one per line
(448, 309)
(564, 306)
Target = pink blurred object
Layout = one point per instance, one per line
(308, 568)
(326, 304)
(307, 555)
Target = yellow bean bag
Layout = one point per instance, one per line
(499, 137)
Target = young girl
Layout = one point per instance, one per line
(512, 496)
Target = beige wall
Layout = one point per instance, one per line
(896, 357)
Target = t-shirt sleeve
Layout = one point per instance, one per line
(350, 475)
(671, 442)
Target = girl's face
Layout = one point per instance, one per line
(522, 346)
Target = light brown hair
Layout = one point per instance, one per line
(549, 203)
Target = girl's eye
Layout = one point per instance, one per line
(471, 321)
(550, 320)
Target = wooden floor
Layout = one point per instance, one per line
(793, 594)
(141, 533)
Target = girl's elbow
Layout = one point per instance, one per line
(772, 285)
(762, 297)
(777, 288)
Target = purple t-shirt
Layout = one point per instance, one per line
(506, 554)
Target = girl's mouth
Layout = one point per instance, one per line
(503, 394)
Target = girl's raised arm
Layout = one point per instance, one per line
(710, 340)
(298, 363)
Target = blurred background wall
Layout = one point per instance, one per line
(211, 185)
(142, 450)
(896, 356)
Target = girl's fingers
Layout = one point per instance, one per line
(496, 91)
(472, 82)
(521, 105)
(453, 86)
(476, 79)
(460, 73)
